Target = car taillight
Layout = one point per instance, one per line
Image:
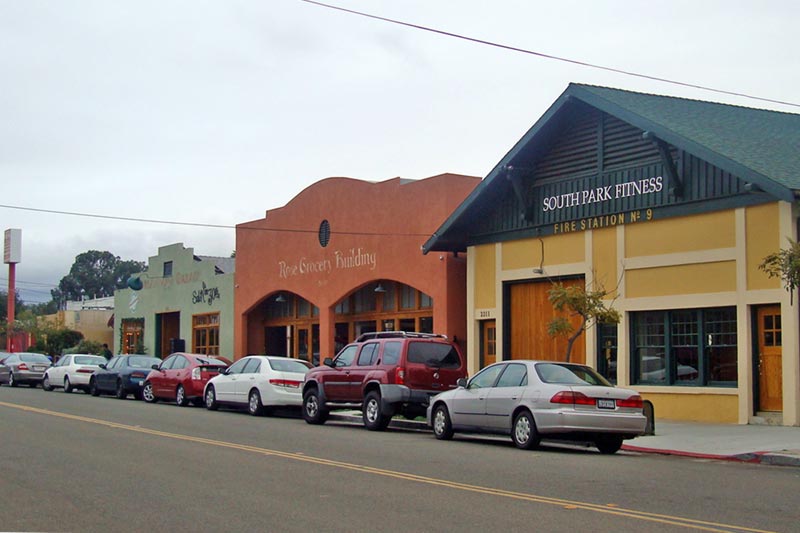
(634, 401)
(572, 397)
(196, 372)
(286, 383)
(138, 375)
(400, 376)
(22, 366)
(85, 370)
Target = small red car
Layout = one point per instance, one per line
(181, 378)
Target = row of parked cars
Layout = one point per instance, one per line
(383, 375)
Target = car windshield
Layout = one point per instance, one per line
(435, 354)
(570, 374)
(34, 358)
(89, 360)
(289, 365)
(211, 361)
(142, 362)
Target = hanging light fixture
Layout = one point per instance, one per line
(379, 288)
(280, 298)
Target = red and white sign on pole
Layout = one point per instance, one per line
(12, 254)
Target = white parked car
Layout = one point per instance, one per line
(533, 400)
(258, 382)
(72, 372)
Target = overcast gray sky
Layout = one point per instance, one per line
(216, 111)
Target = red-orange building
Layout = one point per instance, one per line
(343, 258)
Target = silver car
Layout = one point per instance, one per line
(531, 400)
(23, 367)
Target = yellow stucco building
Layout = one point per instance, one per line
(669, 204)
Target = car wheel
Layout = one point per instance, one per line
(93, 390)
(211, 399)
(46, 383)
(524, 431)
(180, 397)
(608, 444)
(442, 428)
(254, 406)
(11, 381)
(67, 385)
(313, 413)
(120, 391)
(374, 420)
(147, 393)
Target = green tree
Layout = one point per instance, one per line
(95, 274)
(19, 305)
(785, 265)
(586, 303)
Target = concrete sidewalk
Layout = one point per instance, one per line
(773, 445)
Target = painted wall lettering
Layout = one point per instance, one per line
(206, 294)
(602, 194)
(352, 258)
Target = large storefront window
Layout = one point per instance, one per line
(685, 347)
(205, 334)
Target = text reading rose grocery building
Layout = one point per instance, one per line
(344, 258)
(672, 204)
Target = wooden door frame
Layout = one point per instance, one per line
(756, 345)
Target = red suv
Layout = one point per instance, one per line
(182, 377)
(383, 374)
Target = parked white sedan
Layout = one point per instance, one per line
(258, 382)
(531, 400)
(72, 372)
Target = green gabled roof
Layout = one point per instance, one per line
(757, 145)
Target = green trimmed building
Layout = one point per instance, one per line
(671, 205)
(182, 303)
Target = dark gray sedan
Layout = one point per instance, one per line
(23, 367)
(531, 400)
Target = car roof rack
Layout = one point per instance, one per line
(398, 334)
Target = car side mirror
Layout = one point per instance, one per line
(223, 371)
(461, 382)
(102, 365)
(155, 367)
(328, 362)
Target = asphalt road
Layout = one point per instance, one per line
(71, 462)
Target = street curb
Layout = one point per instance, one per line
(764, 458)
(767, 458)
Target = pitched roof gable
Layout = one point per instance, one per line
(760, 146)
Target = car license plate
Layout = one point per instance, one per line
(141, 382)
(606, 404)
(38, 368)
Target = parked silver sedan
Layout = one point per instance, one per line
(531, 400)
(23, 367)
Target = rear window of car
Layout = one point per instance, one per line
(34, 358)
(289, 365)
(435, 354)
(570, 375)
(142, 362)
(210, 361)
(89, 360)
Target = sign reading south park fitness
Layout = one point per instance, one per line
(555, 203)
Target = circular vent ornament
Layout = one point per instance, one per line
(324, 233)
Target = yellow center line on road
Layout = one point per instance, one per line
(567, 504)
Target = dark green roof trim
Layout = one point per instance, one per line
(660, 213)
(758, 146)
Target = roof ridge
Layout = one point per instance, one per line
(686, 99)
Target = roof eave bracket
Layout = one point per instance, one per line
(526, 213)
(669, 164)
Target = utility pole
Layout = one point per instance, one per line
(12, 254)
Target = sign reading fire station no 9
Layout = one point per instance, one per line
(596, 195)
